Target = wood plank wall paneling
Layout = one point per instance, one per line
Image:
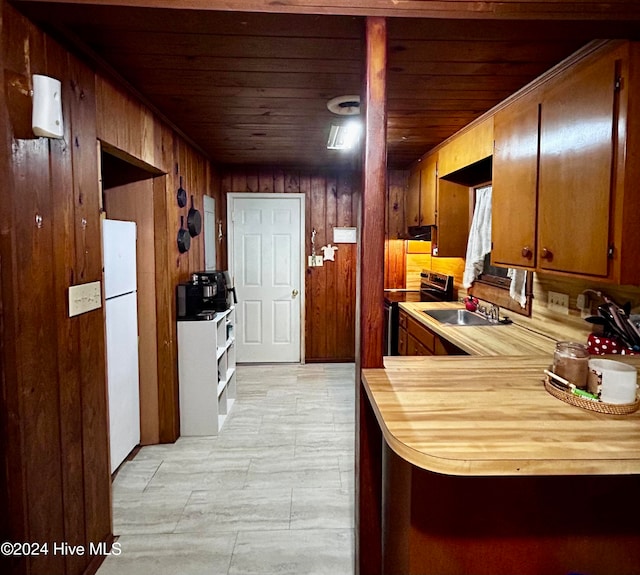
(56, 485)
(69, 369)
(394, 249)
(397, 187)
(163, 150)
(56, 392)
(91, 325)
(331, 199)
(37, 363)
(12, 502)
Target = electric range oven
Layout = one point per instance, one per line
(392, 297)
(435, 286)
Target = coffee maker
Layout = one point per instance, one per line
(206, 294)
(193, 301)
(221, 299)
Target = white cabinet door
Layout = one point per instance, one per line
(266, 260)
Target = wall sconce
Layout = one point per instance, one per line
(46, 119)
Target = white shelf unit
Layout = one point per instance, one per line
(207, 373)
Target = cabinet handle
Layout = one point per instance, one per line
(527, 253)
(546, 254)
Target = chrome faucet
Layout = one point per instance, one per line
(494, 313)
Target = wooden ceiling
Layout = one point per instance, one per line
(251, 88)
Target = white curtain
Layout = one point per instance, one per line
(479, 236)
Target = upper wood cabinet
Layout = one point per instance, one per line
(452, 231)
(420, 204)
(577, 140)
(515, 183)
(566, 167)
(467, 148)
(412, 201)
(428, 190)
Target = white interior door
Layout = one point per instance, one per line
(266, 256)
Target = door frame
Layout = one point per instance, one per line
(231, 197)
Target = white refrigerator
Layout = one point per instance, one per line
(121, 311)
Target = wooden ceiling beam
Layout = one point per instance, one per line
(467, 9)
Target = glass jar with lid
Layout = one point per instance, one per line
(571, 361)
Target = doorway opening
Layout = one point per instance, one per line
(128, 194)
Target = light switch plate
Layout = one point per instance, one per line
(319, 261)
(84, 298)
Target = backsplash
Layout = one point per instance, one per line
(418, 257)
(569, 326)
(560, 322)
(543, 283)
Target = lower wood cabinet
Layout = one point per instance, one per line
(415, 338)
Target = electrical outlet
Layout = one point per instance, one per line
(84, 298)
(558, 302)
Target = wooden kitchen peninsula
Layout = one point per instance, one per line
(482, 471)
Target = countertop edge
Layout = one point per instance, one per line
(488, 467)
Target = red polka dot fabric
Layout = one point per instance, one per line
(598, 345)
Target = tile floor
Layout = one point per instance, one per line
(271, 494)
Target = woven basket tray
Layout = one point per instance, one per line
(599, 406)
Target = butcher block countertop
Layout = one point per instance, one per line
(491, 416)
(512, 339)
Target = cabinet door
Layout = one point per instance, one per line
(412, 202)
(415, 347)
(576, 155)
(454, 219)
(428, 189)
(402, 342)
(515, 184)
(467, 148)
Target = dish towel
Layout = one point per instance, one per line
(518, 287)
(479, 244)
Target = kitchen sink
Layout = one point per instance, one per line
(458, 317)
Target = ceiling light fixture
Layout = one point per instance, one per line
(343, 136)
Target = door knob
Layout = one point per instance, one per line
(294, 293)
